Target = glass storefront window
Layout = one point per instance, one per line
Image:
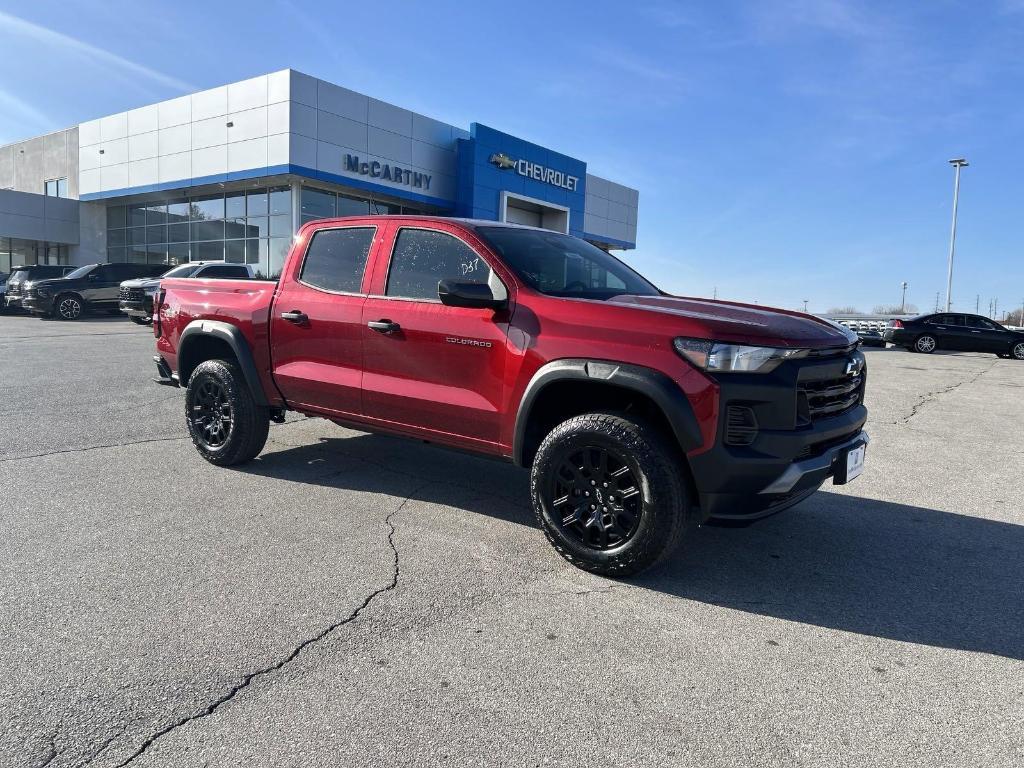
(115, 217)
(256, 203)
(317, 204)
(234, 251)
(207, 208)
(234, 204)
(350, 206)
(254, 226)
(280, 200)
(280, 226)
(207, 230)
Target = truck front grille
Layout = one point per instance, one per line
(132, 294)
(830, 397)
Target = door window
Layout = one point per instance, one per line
(422, 258)
(336, 258)
(973, 321)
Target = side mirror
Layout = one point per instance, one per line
(459, 293)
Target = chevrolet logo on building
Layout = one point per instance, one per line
(503, 161)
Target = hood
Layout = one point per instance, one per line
(58, 281)
(141, 282)
(745, 323)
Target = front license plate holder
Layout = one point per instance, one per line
(849, 464)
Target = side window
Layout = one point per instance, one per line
(336, 258)
(422, 258)
(974, 321)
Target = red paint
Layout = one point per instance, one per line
(416, 382)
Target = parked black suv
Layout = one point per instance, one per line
(92, 287)
(955, 331)
(27, 274)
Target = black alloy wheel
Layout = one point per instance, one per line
(1018, 350)
(212, 417)
(925, 344)
(598, 498)
(608, 492)
(224, 421)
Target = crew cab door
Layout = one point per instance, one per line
(431, 369)
(316, 322)
(103, 284)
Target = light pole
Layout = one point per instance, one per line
(957, 163)
(805, 306)
(903, 301)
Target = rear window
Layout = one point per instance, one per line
(225, 271)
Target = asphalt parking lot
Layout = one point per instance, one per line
(352, 600)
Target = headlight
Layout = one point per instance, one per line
(736, 358)
(41, 291)
(151, 292)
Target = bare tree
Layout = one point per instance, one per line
(844, 311)
(895, 309)
(1013, 318)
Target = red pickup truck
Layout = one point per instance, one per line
(637, 412)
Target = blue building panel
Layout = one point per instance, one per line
(491, 162)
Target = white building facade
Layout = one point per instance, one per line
(232, 172)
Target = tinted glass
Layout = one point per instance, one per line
(560, 265)
(181, 271)
(177, 233)
(206, 208)
(336, 258)
(115, 216)
(157, 234)
(116, 237)
(234, 204)
(974, 321)
(137, 215)
(256, 203)
(225, 271)
(208, 251)
(422, 258)
(281, 200)
(156, 213)
(80, 272)
(280, 226)
(234, 251)
(62, 187)
(317, 204)
(350, 206)
(208, 230)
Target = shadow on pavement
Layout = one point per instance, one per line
(859, 565)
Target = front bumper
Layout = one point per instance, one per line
(791, 453)
(39, 305)
(137, 308)
(12, 301)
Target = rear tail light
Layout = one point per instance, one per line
(158, 303)
(895, 323)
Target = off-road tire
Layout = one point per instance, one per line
(250, 423)
(665, 507)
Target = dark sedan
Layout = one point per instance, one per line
(957, 332)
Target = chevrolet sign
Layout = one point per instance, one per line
(536, 171)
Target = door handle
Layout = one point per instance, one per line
(383, 326)
(295, 316)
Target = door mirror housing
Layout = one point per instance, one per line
(461, 293)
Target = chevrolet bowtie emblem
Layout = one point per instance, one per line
(503, 161)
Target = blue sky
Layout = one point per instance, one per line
(784, 150)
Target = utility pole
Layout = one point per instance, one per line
(995, 307)
(805, 306)
(990, 308)
(936, 301)
(957, 163)
(715, 296)
(903, 301)
(977, 304)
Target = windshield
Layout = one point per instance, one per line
(182, 270)
(80, 272)
(19, 276)
(560, 265)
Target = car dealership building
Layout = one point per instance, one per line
(232, 172)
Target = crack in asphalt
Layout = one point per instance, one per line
(52, 754)
(930, 397)
(102, 747)
(211, 708)
(126, 444)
